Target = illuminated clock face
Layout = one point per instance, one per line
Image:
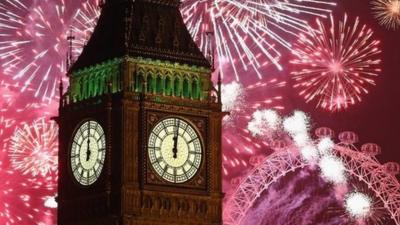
(88, 151)
(175, 150)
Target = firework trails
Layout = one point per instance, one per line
(33, 40)
(336, 64)
(33, 148)
(387, 12)
(249, 34)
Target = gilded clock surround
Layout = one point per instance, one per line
(74, 144)
(198, 182)
(175, 150)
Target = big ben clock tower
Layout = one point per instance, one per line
(140, 124)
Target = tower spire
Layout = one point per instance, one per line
(61, 89)
(70, 39)
(102, 3)
(219, 88)
(210, 49)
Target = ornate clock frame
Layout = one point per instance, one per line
(197, 184)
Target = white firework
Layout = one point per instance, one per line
(325, 146)
(298, 123)
(358, 205)
(232, 96)
(302, 139)
(333, 169)
(250, 34)
(33, 148)
(264, 123)
(309, 153)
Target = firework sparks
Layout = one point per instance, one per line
(249, 34)
(14, 109)
(21, 196)
(358, 205)
(264, 122)
(241, 101)
(33, 148)
(387, 12)
(325, 146)
(21, 199)
(51, 202)
(297, 124)
(233, 95)
(33, 41)
(333, 169)
(336, 64)
(309, 153)
(348, 169)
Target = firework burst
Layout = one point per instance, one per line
(33, 148)
(336, 64)
(249, 34)
(33, 41)
(387, 12)
(14, 108)
(242, 101)
(358, 205)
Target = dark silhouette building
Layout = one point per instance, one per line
(140, 124)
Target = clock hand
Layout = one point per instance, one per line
(88, 152)
(175, 149)
(88, 145)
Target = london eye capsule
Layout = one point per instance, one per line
(256, 160)
(324, 132)
(278, 145)
(348, 137)
(392, 168)
(371, 149)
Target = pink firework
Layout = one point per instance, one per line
(7, 99)
(33, 148)
(11, 111)
(14, 109)
(33, 40)
(22, 199)
(21, 196)
(336, 64)
(241, 102)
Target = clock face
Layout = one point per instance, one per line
(175, 150)
(88, 151)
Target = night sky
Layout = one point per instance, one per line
(376, 119)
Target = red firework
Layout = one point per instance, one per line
(336, 64)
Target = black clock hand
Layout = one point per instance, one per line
(88, 152)
(175, 149)
(88, 145)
